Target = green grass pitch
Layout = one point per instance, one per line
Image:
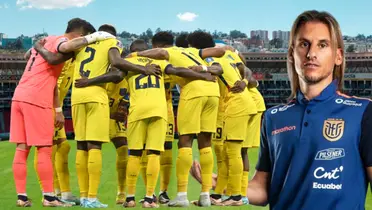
(107, 190)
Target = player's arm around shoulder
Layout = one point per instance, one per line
(80, 42)
(188, 73)
(214, 67)
(114, 75)
(50, 57)
(123, 65)
(156, 53)
(212, 52)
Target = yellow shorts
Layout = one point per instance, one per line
(253, 134)
(235, 128)
(117, 129)
(217, 136)
(59, 134)
(150, 131)
(170, 131)
(197, 115)
(91, 121)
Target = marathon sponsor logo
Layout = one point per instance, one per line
(330, 154)
(321, 173)
(347, 102)
(281, 109)
(281, 130)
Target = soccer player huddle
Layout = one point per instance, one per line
(127, 99)
(307, 159)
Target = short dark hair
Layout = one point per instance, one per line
(181, 40)
(201, 40)
(108, 28)
(138, 45)
(78, 24)
(163, 38)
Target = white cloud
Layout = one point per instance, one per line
(52, 4)
(187, 16)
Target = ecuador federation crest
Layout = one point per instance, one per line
(333, 129)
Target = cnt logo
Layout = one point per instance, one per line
(321, 173)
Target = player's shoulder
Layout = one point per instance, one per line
(352, 101)
(56, 38)
(139, 60)
(173, 49)
(280, 109)
(111, 42)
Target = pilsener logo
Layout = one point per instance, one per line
(330, 154)
(281, 130)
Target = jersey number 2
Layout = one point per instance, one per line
(88, 60)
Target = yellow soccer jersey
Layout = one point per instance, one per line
(258, 99)
(93, 61)
(116, 92)
(237, 104)
(147, 93)
(256, 95)
(186, 57)
(65, 79)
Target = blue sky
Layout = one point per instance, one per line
(29, 17)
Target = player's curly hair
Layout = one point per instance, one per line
(181, 40)
(138, 45)
(162, 38)
(201, 40)
(108, 28)
(77, 24)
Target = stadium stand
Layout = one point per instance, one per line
(269, 69)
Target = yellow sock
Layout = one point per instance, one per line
(222, 173)
(81, 165)
(165, 169)
(144, 160)
(35, 167)
(61, 166)
(218, 149)
(121, 167)
(235, 167)
(183, 165)
(94, 171)
(244, 183)
(132, 173)
(152, 173)
(206, 164)
(56, 186)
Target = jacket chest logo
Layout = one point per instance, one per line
(333, 129)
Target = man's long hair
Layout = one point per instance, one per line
(336, 39)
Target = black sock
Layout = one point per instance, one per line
(128, 199)
(22, 198)
(216, 196)
(50, 198)
(149, 200)
(236, 197)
